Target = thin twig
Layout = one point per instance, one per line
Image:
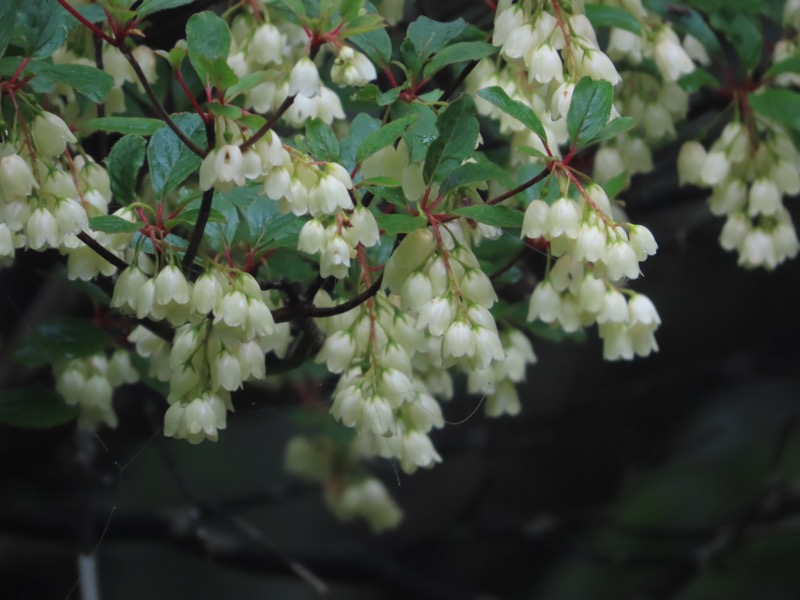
(520, 188)
(199, 228)
(159, 108)
(102, 250)
(287, 102)
(291, 312)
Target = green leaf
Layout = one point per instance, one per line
(321, 141)
(458, 133)
(589, 110)
(248, 82)
(289, 264)
(250, 216)
(690, 21)
(113, 224)
(456, 53)
(149, 7)
(612, 16)
(779, 105)
(209, 42)
(8, 17)
(429, 36)
(189, 217)
(376, 45)
(296, 6)
(379, 181)
(691, 82)
(743, 33)
(126, 125)
(372, 93)
(514, 108)
(614, 186)
(419, 136)
(92, 12)
(471, 173)
(496, 216)
(84, 79)
(392, 195)
(385, 136)
(61, 339)
(613, 128)
(40, 27)
(169, 160)
(34, 407)
(360, 128)
(124, 163)
(787, 65)
(394, 224)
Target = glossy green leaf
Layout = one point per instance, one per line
(189, 217)
(124, 163)
(743, 33)
(420, 135)
(612, 16)
(589, 110)
(456, 53)
(779, 105)
(126, 125)
(362, 24)
(458, 134)
(113, 224)
(469, 174)
(40, 27)
(614, 186)
(697, 79)
(787, 65)
(169, 160)
(61, 339)
(209, 40)
(149, 7)
(690, 21)
(496, 216)
(84, 79)
(8, 18)
(395, 224)
(376, 45)
(372, 93)
(34, 407)
(385, 136)
(361, 127)
(514, 108)
(321, 141)
(429, 36)
(248, 82)
(613, 128)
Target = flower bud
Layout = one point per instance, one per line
(304, 78)
(51, 135)
(16, 178)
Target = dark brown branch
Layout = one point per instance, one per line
(199, 228)
(290, 312)
(268, 125)
(102, 250)
(159, 108)
(520, 188)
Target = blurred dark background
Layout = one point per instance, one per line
(675, 476)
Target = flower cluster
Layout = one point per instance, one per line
(748, 177)
(89, 384)
(594, 254)
(348, 493)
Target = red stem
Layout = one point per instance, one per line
(19, 70)
(189, 95)
(86, 23)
